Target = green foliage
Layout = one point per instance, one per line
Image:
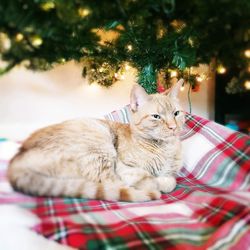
(152, 35)
(147, 78)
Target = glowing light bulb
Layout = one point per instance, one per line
(5, 42)
(19, 37)
(83, 12)
(182, 88)
(247, 85)
(129, 47)
(199, 79)
(127, 67)
(173, 73)
(247, 53)
(47, 6)
(36, 41)
(221, 69)
(62, 60)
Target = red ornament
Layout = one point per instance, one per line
(160, 87)
(196, 88)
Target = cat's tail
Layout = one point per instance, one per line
(34, 183)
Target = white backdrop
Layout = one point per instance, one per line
(29, 100)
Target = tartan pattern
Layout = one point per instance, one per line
(209, 209)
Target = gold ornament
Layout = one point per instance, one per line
(161, 33)
(36, 40)
(47, 6)
(83, 12)
(178, 25)
(161, 29)
(106, 36)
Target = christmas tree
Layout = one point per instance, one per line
(159, 38)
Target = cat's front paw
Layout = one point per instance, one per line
(166, 184)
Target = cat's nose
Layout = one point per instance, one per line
(171, 126)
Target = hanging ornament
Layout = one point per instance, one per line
(160, 87)
(196, 88)
(106, 36)
(163, 81)
(178, 25)
(161, 29)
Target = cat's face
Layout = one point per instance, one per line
(157, 116)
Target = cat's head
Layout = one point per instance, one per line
(156, 116)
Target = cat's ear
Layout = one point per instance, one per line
(138, 97)
(175, 89)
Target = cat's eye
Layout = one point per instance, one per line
(156, 116)
(176, 113)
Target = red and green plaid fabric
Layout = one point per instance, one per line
(209, 209)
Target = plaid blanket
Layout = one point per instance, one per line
(209, 209)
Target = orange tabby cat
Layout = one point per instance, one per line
(100, 159)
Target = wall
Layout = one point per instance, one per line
(30, 100)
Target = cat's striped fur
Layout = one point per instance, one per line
(101, 159)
